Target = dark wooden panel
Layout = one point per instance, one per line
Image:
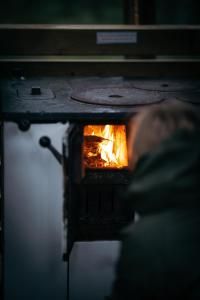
(93, 67)
(81, 40)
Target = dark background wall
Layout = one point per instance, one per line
(61, 11)
(92, 11)
(178, 11)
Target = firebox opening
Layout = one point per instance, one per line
(105, 146)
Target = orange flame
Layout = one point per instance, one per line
(106, 146)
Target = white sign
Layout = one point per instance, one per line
(116, 37)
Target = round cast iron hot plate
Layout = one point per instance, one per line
(117, 96)
(167, 85)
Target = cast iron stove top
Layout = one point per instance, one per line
(78, 98)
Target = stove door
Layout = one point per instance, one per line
(73, 173)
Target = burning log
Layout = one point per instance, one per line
(105, 146)
(92, 155)
(94, 138)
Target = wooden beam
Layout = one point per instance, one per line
(139, 12)
(82, 40)
(131, 12)
(95, 67)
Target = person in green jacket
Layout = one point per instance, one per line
(160, 253)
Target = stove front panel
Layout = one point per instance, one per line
(93, 194)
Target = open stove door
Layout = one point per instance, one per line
(73, 173)
(71, 160)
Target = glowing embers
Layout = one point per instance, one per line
(105, 146)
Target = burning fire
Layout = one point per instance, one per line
(105, 146)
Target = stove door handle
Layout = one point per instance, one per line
(45, 142)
